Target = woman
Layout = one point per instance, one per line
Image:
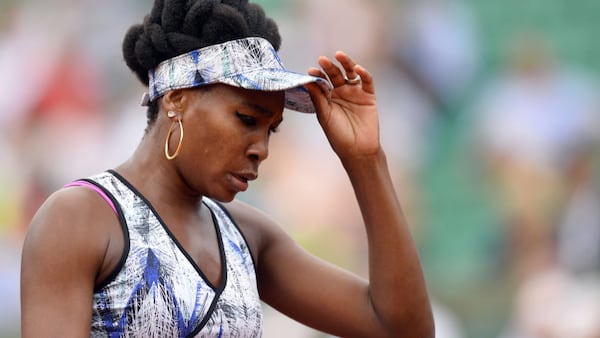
(159, 247)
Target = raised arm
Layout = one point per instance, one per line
(397, 290)
(393, 302)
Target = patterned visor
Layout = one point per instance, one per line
(250, 63)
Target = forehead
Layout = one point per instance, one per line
(263, 102)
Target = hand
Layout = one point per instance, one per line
(349, 116)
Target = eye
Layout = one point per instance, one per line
(247, 120)
(250, 121)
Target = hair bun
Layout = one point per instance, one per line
(175, 27)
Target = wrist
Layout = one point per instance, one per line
(368, 161)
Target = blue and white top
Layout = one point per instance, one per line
(157, 290)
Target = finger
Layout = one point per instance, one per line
(335, 74)
(312, 71)
(347, 63)
(368, 85)
(319, 98)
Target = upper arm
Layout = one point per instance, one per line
(62, 255)
(305, 287)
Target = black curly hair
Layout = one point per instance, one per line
(175, 27)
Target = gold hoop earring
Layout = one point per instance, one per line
(169, 156)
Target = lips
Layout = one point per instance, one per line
(240, 180)
(250, 176)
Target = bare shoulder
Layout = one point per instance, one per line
(248, 215)
(63, 255)
(260, 229)
(70, 225)
(69, 211)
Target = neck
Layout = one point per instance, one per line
(157, 178)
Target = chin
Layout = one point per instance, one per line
(225, 198)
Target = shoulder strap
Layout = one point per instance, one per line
(82, 183)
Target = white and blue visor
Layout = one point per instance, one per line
(250, 63)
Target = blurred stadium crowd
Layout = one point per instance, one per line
(490, 115)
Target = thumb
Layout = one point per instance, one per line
(319, 97)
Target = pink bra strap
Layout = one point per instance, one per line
(96, 189)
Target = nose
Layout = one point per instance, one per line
(258, 151)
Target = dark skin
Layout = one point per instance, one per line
(75, 241)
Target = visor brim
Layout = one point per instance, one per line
(297, 97)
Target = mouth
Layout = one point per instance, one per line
(241, 180)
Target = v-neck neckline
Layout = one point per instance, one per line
(223, 258)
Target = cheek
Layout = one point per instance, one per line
(214, 141)
(207, 154)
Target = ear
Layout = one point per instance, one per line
(174, 100)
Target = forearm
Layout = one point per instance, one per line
(397, 288)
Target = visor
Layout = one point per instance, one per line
(250, 63)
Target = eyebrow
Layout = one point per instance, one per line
(260, 109)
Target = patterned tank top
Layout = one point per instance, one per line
(157, 290)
